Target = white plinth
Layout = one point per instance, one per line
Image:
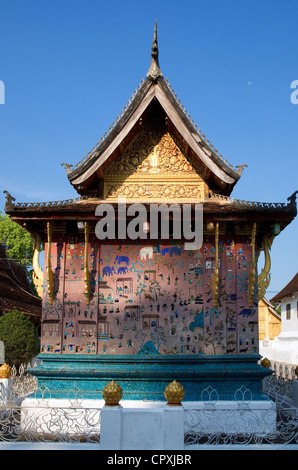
(142, 428)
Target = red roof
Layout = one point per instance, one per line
(288, 290)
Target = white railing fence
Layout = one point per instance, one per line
(210, 423)
(276, 424)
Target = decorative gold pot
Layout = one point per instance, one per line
(174, 393)
(5, 371)
(112, 394)
(265, 363)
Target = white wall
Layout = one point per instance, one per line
(284, 348)
(289, 325)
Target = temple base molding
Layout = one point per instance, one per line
(231, 377)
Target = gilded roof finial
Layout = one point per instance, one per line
(154, 70)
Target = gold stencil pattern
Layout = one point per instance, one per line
(156, 192)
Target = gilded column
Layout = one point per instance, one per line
(86, 266)
(50, 275)
(216, 269)
(252, 274)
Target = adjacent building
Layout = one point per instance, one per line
(269, 321)
(284, 348)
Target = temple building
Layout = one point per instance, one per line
(150, 309)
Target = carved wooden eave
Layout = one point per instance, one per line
(153, 96)
(35, 215)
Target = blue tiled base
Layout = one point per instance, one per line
(145, 377)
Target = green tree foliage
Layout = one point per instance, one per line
(19, 244)
(18, 240)
(20, 338)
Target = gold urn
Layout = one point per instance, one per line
(112, 394)
(5, 371)
(265, 363)
(174, 393)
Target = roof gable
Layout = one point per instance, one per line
(154, 167)
(288, 291)
(87, 176)
(215, 168)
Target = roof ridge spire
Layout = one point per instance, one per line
(154, 71)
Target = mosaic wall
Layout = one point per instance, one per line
(149, 299)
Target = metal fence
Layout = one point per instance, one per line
(44, 419)
(74, 420)
(286, 432)
(241, 426)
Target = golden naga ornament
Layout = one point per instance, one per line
(37, 275)
(5, 371)
(112, 394)
(174, 393)
(265, 276)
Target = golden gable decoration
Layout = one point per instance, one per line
(153, 168)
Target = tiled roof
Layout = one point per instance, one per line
(288, 290)
(15, 292)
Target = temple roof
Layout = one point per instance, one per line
(208, 178)
(154, 70)
(288, 291)
(86, 175)
(15, 291)
(216, 207)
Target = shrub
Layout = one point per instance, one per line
(20, 338)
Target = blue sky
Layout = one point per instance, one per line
(69, 67)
